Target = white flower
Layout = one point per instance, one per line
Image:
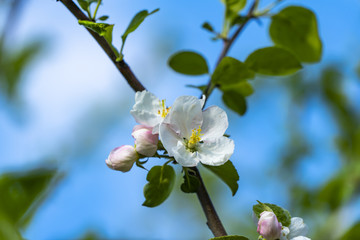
(191, 135)
(145, 141)
(296, 231)
(148, 110)
(269, 226)
(122, 158)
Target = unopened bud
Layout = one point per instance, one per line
(122, 158)
(269, 226)
(145, 141)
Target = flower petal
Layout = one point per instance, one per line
(184, 157)
(145, 109)
(284, 232)
(215, 123)
(168, 138)
(300, 238)
(185, 115)
(297, 228)
(216, 152)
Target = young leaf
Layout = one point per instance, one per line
(235, 101)
(200, 87)
(282, 214)
(207, 26)
(103, 29)
(274, 61)
(231, 237)
(189, 63)
(103, 18)
(227, 173)
(161, 181)
(295, 28)
(233, 7)
(84, 4)
(191, 183)
(231, 71)
(244, 88)
(134, 24)
(352, 233)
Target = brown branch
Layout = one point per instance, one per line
(213, 220)
(228, 43)
(122, 66)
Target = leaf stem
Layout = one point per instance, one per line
(122, 66)
(228, 44)
(96, 9)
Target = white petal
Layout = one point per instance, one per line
(300, 238)
(184, 157)
(169, 138)
(284, 232)
(215, 123)
(145, 109)
(185, 115)
(297, 227)
(216, 152)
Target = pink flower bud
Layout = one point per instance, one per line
(122, 158)
(145, 141)
(268, 226)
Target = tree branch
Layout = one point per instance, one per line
(213, 220)
(228, 44)
(122, 66)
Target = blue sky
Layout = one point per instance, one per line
(75, 107)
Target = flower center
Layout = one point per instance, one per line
(164, 110)
(194, 139)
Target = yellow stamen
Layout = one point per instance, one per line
(194, 138)
(164, 110)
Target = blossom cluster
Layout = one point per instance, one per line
(188, 133)
(271, 229)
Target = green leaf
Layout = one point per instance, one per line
(103, 29)
(200, 87)
(191, 183)
(353, 233)
(282, 214)
(134, 24)
(295, 28)
(274, 61)
(231, 71)
(20, 190)
(207, 26)
(8, 230)
(231, 237)
(161, 181)
(227, 173)
(243, 88)
(233, 7)
(189, 63)
(103, 18)
(83, 4)
(235, 101)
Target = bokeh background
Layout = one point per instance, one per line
(64, 106)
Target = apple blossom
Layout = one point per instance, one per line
(122, 158)
(296, 231)
(145, 141)
(191, 135)
(149, 110)
(269, 226)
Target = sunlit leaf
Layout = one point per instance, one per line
(227, 173)
(244, 88)
(235, 101)
(295, 28)
(189, 63)
(282, 214)
(274, 61)
(231, 71)
(161, 181)
(231, 237)
(103, 29)
(353, 233)
(8, 230)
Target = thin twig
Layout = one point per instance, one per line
(122, 66)
(228, 44)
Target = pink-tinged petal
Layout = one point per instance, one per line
(215, 123)
(145, 141)
(216, 152)
(269, 226)
(145, 109)
(297, 228)
(185, 115)
(169, 138)
(184, 157)
(122, 158)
